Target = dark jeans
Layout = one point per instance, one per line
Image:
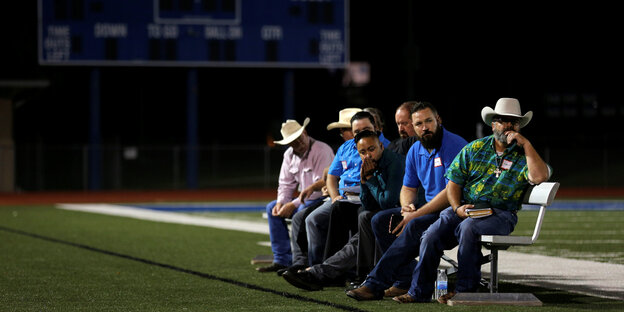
(397, 263)
(446, 233)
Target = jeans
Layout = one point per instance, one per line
(278, 231)
(397, 263)
(380, 224)
(299, 241)
(446, 233)
(316, 224)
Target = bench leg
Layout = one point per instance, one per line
(494, 271)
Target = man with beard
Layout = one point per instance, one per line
(425, 167)
(491, 172)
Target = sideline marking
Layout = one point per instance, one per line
(168, 217)
(183, 270)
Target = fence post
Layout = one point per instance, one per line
(191, 130)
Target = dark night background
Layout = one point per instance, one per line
(564, 62)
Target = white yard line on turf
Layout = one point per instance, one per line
(168, 217)
(578, 276)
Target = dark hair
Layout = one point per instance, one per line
(376, 112)
(361, 115)
(424, 105)
(366, 134)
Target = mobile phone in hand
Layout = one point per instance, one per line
(395, 219)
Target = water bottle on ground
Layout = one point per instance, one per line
(441, 285)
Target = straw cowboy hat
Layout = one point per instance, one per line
(506, 107)
(291, 130)
(344, 118)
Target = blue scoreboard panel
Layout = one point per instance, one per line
(229, 33)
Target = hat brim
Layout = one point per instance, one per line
(287, 140)
(338, 124)
(487, 114)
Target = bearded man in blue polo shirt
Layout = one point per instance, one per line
(426, 164)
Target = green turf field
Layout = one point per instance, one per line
(57, 260)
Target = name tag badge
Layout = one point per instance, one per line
(506, 164)
(344, 165)
(437, 162)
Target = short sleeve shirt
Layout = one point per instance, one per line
(346, 165)
(475, 166)
(427, 169)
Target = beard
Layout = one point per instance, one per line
(403, 135)
(431, 140)
(500, 136)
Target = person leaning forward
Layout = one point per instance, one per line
(302, 167)
(493, 171)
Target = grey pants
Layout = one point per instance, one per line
(360, 252)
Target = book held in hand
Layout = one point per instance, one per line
(479, 212)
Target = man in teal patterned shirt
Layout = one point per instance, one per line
(490, 172)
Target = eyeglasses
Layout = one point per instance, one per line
(503, 119)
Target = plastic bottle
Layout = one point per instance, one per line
(441, 285)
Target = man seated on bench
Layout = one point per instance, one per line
(302, 167)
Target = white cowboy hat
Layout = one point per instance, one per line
(506, 107)
(291, 130)
(344, 118)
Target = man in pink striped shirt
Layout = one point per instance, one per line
(302, 169)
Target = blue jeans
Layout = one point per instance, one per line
(299, 234)
(446, 233)
(278, 231)
(317, 224)
(380, 224)
(397, 263)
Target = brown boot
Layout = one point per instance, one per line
(446, 297)
(394, 291)
(364, 293)
(405, 298)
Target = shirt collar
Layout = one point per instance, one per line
(424, 151)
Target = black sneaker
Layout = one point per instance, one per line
(303, 279)
(271, 268)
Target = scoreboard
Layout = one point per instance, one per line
(194, 33)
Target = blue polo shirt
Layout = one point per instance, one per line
(383, 140)
(427, 169)
(346, 165)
